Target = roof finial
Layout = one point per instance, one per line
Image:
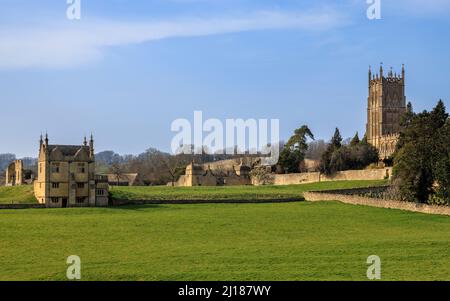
(381, 70)
(91, 146)
(85, 141)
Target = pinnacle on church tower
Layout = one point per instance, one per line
(403, 72)
(385, 105)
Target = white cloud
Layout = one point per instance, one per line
(74, 43)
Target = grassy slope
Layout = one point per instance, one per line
(17, 194)
(285, 241)
(229, 192)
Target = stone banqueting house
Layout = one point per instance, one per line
(66, 176)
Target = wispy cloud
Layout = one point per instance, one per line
(75, 43)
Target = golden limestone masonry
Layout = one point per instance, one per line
(66, 176)
(385, 105)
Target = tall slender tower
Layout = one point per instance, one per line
(385, 105)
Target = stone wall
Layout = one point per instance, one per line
(296, 178)
(216, 201)
(197, 175)
(356, 199)
(21, 206)
(180, 182)
(348, 175)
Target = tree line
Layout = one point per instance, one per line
(422, 158)
(333, 156)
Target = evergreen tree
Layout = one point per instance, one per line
(364, 140)
(294, 150)
(355, 141)
(336, 141)
(442, 164)
(356, 155)
(422, 155)
(328, 162)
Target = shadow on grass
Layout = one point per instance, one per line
(138, 207)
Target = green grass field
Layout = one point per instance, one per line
(24, 194)
(272, 241)
(284, 241)
(17, 194)
(230, 192)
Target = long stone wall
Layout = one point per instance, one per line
(312, 177)
(22, 206)
(347, 198)
(217, 201)
(296, 178)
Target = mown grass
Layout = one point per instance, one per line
(24, 194)
(230, 192)
(17, 195)
(272, 241)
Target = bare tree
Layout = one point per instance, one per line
(117, 170)
(175, 166)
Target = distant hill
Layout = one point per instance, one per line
(5, 159)
(108, 157)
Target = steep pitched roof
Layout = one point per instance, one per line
(67, 150)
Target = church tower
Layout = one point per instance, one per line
(385, 106)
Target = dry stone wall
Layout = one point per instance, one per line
(348, 175)
(356, 199)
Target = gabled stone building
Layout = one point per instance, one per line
(66, 176)
(385, 106)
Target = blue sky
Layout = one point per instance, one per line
(138, 65)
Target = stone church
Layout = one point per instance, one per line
(66, 176)
(385, 105)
